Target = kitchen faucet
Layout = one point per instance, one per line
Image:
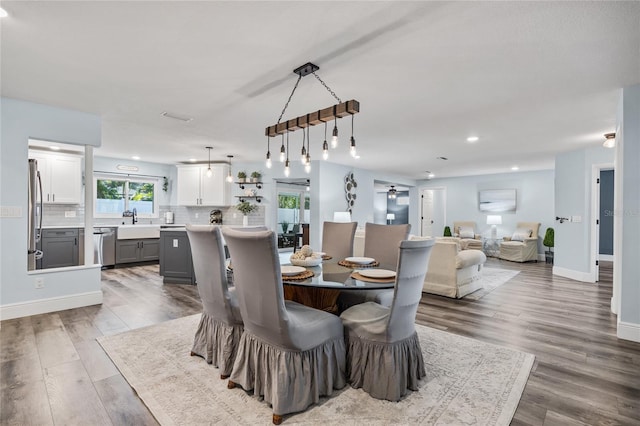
(134, 216)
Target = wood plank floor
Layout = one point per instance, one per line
(52, 370)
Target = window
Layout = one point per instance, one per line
(115, 195)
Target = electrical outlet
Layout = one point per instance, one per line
(197, 215)
(70, 213)
(175, 242)
(39, 282)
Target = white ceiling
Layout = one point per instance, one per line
(531, 79)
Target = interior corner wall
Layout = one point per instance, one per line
(573, 185)
(20, 121)
(534, 200)
(628, 214)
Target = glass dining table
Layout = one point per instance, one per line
(329, 278)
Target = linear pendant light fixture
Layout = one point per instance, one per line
(332, 113)
(229, 175)
(209, 171)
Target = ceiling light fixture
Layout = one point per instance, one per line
(303, 152)
(392, 194)
(352, 147)
(342, 109)
(135, 157)
(325, 145)
(287, 170)
(54, 148)
(192, 160)
(307, 160)
(209, 171)
(229, 176)
(472, 139)
(282, 150)
(268, 154)
(610, 140)
(515, 168)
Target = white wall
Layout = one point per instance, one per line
(573, 198)
(20, 121)
(627, 215)
(534, 200)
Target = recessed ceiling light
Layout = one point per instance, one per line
(3, 13)
(193, 160)
(55, 148)
(472, 139)
(514, 168)
(431, 176)
(135, 157)
(357, 157)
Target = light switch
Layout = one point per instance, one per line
(175, 242)
(576, 219)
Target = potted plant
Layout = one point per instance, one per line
(549, 242)
(245, 208)
(447, 231)
(255, 176)
(285, 226)
(242, 176)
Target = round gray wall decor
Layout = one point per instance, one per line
(350, 186)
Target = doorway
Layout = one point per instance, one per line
(432, 211)
(602, 213)
(293, 215)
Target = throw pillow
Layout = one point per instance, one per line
(467, 232)
(521, 234)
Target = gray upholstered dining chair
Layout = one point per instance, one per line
(220, 327)
(288, 353)
(383, 350)
(381, 242)
(337, 239)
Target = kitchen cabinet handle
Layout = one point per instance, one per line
(54, 198)
(75, 241)
(47, 197)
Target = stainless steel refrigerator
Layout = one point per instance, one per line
(35, 215)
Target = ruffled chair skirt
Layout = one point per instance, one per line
(289, 380)
(217, 342)
(385, 370)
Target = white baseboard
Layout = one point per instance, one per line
(606, 257)
(629, 331)
(42, 306)
(574, 275)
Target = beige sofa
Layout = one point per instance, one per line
(474, 243)
(521, 251)
(453, 272)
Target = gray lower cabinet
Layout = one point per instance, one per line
(176, 265)
(130, 251)
(59, 248)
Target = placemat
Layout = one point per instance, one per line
(301, 276)
(327, 257)
(373, 264)
(357, 276)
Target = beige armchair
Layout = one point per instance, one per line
(453, 273)
(525, 250)
(467, 242)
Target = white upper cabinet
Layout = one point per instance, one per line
(195, 188)
(61, 176)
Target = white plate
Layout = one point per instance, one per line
(291, 270)
(360, 260)
(377, 273)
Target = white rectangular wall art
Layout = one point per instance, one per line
(497, 200)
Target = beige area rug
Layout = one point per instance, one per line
(468, 382)
(492, 278)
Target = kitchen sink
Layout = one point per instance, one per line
(134, 232)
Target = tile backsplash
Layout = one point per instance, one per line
(69, 215)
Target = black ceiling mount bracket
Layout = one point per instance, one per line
(306, 69)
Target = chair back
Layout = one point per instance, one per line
(413, 261)
(382, 241)
(258, 281)
(337, 239)
(207, 252)
(534, 226)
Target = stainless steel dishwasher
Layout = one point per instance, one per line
(104, 240)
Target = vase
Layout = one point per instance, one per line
(245, 220)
